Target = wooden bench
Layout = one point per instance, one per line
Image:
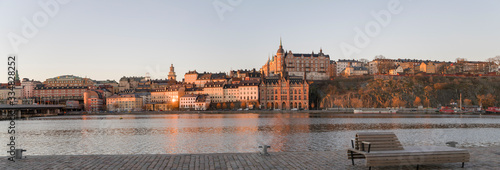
(384, 149)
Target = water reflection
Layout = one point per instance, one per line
(209, 133)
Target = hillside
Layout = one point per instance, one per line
(411, 91)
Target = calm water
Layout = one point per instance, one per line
(209, 133)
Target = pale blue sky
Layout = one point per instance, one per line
(115, 38)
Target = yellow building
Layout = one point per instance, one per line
(126, 102)
(215, 90)
(428, 67)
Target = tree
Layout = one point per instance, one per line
(356, 103)
(428, 91)
(218, 106)
(441, 68)
(417, 102)
(232, 105)
(427, 102)
(397, 102)
(486, 100)
(115, 106)
(460, 64)
(467, 102)
(493, 63)
(494, 60)
(340, 102)
(364, 61)
(383, 64)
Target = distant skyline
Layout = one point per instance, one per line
(110, 39)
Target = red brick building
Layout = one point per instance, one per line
(44, 94)
(93, 100)
(315, 66)
(284, 92)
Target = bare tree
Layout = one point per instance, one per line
(364, 61)
(383, 64)
(493, 63)
(460, 64)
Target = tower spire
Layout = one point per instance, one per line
(280, 42)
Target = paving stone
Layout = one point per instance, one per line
(481, 158)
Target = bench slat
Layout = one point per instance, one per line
(386, 150)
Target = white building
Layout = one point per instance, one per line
(215, 90)
(202, 102)
(193, 101)
(28, 87)
(355, 71)
(4, 94)
(231, 93)
(342, 64)
(187, 101)
(248, 90)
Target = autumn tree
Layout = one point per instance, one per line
(397, 102)
(417, 102)
(486, 100)
(340, 102)
(427, 102)
(356, 103)
(218, 106)
(428, 91)
(467, 102)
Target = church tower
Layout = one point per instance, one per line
(280, 59)
(171, 74)
(280, 51)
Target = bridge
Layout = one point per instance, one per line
(24, 110)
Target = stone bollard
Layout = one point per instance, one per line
(19, 153)
(451, 143)
(264, 150)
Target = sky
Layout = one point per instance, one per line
(115, 38)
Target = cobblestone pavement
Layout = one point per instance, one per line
(481, 158)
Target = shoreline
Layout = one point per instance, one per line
(269, 112)
(81, 113)
(481, 158)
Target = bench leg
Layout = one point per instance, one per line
(369, 168)
(417, 167)
(352, 157)
(463, 163)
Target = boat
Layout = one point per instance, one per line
(493, 110)
(447, 109)
(383, 111)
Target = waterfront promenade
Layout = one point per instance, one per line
(481, 158)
